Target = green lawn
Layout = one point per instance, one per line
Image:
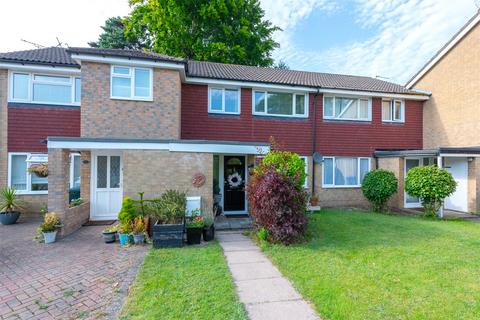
(373, 266)
(185, 283)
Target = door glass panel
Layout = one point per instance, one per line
(409, 164)
(114, 171)
(102, 171)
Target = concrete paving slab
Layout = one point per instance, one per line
(282, 310)
(244, 256)
(239, 246)
(266, 290)
(252, 271)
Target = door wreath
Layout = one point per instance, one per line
(234, 180)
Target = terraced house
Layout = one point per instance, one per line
(116, 122)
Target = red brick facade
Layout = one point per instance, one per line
(333, 137)
(28, 126)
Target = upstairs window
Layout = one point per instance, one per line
(344, 171)
(347, 108)
(46, 89)
(224, 100)
(393, 110)
(281, 104)
(131, 83)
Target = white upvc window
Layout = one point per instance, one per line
(224, 100)
(131, 83)
(393, 110)
(75, 171)
(44, 88)
(19, 177)
(347, 108)
(280, 104)
(344, 172)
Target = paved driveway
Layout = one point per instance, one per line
(79, 277)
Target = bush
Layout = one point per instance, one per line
(378, 186)
(169, 208)
(286, 163)
(128, 212)
(278, 205)
(432, 185)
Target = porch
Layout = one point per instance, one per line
(214, 174)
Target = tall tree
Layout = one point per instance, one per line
(114, 36)
(228, 31)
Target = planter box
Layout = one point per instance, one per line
(167, 235)
(209, 233)
(194, 235)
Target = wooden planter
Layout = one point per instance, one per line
(167, 235)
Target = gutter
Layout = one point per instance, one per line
(314, 136)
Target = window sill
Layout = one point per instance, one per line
(224, 113)
(279, 117)
(393, 122)
(26, 193)
(132, 99)
(342, 187)
(346, 120)
(42, 104)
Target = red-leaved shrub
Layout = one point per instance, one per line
(277, 205)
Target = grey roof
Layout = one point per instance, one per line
(125, 53)
(62, 57)
(56, 56)
(292, 77)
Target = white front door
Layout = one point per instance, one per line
(458, 167)
(106, 184)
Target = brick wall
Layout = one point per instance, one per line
(473, 195)
(396, 165)
(3, 127)
(105, 117)
(156, 171)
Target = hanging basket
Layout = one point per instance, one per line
(41, 170)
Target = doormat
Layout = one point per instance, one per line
(99, 223)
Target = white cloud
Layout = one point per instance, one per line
(73, 22)
(409, 33)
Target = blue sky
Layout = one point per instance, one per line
(387, 38)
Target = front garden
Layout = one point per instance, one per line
(360, 265)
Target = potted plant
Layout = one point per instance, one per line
(109, 234)
(10, 206)
(41, 170)
(168, 212)
(195, 225)
(124, 232)
(209, 228)
(49, 227)
(313, 200)
(138, 230)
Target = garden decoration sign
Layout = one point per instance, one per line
(234, 180)
(198, 180)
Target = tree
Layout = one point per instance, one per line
(281, 65)
(432, 185)
(227, 31)
(115, 37)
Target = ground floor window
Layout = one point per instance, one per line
(26, 182)
(344, 171)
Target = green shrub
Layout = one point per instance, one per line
(128, 212)
(286, 163)
(378, 186)
(169, 208)
(432, 185)
(262, 234)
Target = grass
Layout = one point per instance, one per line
(372, 266)
(184, 283)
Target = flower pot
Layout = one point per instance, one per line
(138, 238)
(9, 217)
(123, 238)
(109, 237)
(50, 237)
(194, 235)
(167, 235)
(209, 233)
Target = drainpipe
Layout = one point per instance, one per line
(314, 136)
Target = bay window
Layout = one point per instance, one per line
(280, 104)
(393, 110)
(131, 83)
(347, 108)
(46, 89)
(344, 171)
(224, 100)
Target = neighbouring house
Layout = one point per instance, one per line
(451, 117)
(112, 123)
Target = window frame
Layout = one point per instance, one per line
(294, 107)
(358, 98)
(223, 88)
(333, 186)
(32, 81)
(131, 76)
(72, 169)
(392, 110)
(305, 184)
(28, 174)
